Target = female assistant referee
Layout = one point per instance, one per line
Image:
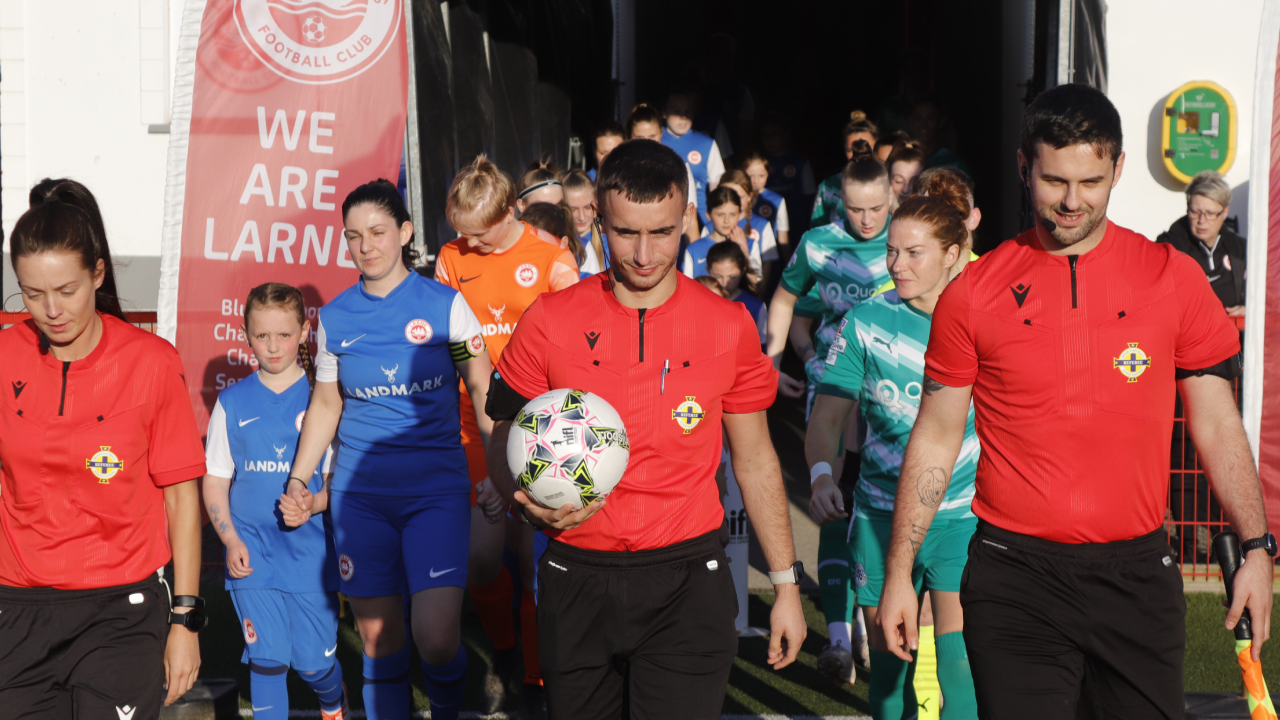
(99, 454)
(391, 349)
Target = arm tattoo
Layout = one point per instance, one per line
(917, 537)
(932, 486)
(931, 386)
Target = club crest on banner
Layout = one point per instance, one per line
(318, 41)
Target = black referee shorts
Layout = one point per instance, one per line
(99, 651)
(638, 635)
(1058, 631)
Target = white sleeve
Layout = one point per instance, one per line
(783, 223)
(463, 324)
(715, 166)
(326, 362)
(762, 323)
(807, 185)
(217, 449)
(693, 187)
(754, 259)
(768, 244)
(687, 265)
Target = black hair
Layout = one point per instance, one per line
(644, 172)
(723, 195)
(1072, 114)
(384, 194)
(64, 217)
(864, 167)
(730, 251)
(643, 112)
(553, 218)
(610, 128)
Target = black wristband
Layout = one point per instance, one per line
(1228, 369)
(291, 477)
(191, 601)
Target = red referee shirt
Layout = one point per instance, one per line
(85, 450)
(1072, 370)
(583, 338)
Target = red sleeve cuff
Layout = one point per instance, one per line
(173, 477)
(1210, 359)
(949, 380)
(745, 408)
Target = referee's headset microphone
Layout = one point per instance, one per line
(1049, 225)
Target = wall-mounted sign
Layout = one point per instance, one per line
(1199, 130)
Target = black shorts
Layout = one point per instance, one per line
(99, 651)
(1053, 628)
(639, 635)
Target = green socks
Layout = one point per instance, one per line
(959, 701)
(892, 696)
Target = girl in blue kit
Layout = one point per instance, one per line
(283, 581)
(390, 350)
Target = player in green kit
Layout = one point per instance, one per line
(828, 205)
(877, 363)
(834, 268)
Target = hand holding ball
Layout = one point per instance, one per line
(567, 447)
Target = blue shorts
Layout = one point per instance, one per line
(296, 629)
(387, 545)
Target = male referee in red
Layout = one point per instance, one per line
(636, 604)
(1070, 339)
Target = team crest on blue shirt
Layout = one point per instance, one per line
(764, 211)
(688, 414)
(1132, 362)
(297, 422)
(694, 157)
(104, 464)
(418, 332)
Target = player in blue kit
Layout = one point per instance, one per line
(726, 226)
(283, 582)
(391, 349)
(728, 266)
(699, 151)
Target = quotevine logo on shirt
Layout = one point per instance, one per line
(318, 41)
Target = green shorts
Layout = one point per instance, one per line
(939, 564)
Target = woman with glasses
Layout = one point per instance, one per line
(1202, 234)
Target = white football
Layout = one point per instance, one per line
(567, 447)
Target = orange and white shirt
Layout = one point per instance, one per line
(500, 285)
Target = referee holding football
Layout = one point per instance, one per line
(1070, 339)
(636, 604)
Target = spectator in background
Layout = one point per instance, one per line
(753, 225)
(609, 135)
(828, 207)
(539, 184)
(1200, 234)
(580, 196)
(764, 202)
(790, 174)
(725, 203)
(904, 163)
(929, 125)
(696, 149)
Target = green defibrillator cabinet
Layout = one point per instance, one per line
(1199, 130)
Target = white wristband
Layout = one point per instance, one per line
(822, 468)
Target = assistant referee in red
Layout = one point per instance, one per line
(636, 604)
(1070, 339)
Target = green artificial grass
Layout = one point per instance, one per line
(754, 687)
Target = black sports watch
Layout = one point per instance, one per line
(194, 619)
(1266, 542)
(790, 575)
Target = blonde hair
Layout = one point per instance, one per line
(1211, 185)
(480, 194)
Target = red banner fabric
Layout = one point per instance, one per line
(295, 103)
(1269, 436)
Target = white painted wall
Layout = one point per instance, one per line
(1155, 46)
(80, 80)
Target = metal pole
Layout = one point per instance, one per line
(413, 158)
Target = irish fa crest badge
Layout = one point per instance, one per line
(688, 414)
(104, 465)
(1132, 362)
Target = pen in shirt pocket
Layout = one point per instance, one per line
(666, 368)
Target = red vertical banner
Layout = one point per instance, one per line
(294, 103)
(1268, 273)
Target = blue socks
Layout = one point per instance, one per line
(270, 693)
(959, 700)
(445, 685)
(386, 686)
(327, 685)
